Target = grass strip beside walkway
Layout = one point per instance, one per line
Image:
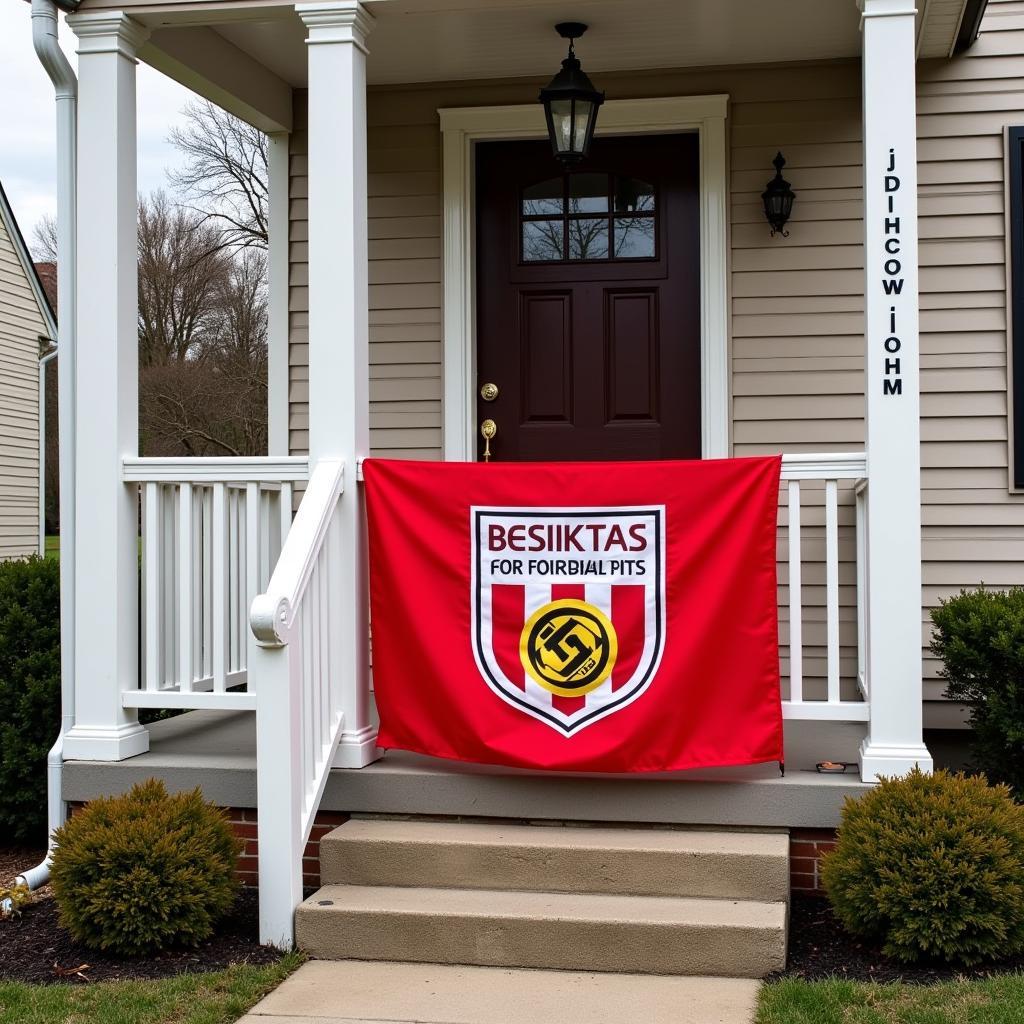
(993, 1001)
(218, 997)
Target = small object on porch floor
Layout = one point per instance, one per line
(834, 767)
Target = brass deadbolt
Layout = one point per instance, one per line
(489, 392)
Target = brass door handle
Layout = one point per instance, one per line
(489, 392)
(487, 431)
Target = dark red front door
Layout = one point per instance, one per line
(588, 300)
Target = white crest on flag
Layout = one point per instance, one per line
(568, 607)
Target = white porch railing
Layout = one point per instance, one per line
(813, 483)
(296, 666)
(212, 530)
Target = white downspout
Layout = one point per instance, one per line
(44, 361)
(51, 56)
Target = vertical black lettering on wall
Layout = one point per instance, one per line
(892, 282)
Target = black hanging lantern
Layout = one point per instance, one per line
(570, 102)
(778, 199)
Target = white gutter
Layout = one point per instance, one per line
(51, 56)
(44, 360)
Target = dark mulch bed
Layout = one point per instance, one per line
(819, 948)
(15, 859)
(34, 948)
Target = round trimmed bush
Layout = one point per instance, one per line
(932, 867)
(137, 873)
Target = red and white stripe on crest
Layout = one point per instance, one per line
(626, 605)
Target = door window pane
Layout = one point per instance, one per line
(588, 216)
(542, 240)
(544, 199)
(633, 196)
(588, 238)
(588, 193)
(634, 238)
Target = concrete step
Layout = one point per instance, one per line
(562, 931)
(361, 992)
(645, 862)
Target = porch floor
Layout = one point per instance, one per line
(217, 751)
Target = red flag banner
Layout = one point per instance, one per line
(609, 617)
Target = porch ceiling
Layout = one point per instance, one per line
(441, 40)
(449, 40)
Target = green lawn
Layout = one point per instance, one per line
(994, 1001)
(52, 549)
(219, 997)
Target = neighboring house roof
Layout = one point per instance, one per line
(18, 241)
(47, 272)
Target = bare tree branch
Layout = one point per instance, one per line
(44, 240)
(225, 177)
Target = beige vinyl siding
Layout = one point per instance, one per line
(973, 526)
(21, 325)
(796, 325)
(797, 359)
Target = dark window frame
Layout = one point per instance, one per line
(1015, 142)
(610, 215)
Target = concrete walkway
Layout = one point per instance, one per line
(364, 992)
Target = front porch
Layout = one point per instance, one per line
(217, 752)
(256, 619)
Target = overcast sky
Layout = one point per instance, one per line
(27, 127)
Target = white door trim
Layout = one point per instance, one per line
(461, 127)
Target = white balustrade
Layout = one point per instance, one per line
(811, 487)
(297, 666)
(211, 529)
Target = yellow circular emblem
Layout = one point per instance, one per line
(569, 647)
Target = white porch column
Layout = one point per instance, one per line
(893, 666)
(106, 418)
(339, 406)
(277, 294)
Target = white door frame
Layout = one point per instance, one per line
(461, 127)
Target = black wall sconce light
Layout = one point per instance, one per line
(570, 102)
(778, 199)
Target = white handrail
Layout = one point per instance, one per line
(297, 667)
(255, 469)
(272, 613)
(828, 466)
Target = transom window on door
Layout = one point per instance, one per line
(588, 216)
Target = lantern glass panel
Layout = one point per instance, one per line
(584, 111)
(561, 124)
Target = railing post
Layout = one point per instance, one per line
(894, 743)
(338, 326)
(278, 791)
(106, 422)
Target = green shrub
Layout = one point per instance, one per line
(932, 867)
(979, 637)
(29, 692)
(137, 873)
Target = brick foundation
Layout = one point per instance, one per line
(806, 848)
(243, 823)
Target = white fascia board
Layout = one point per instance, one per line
(202, 60)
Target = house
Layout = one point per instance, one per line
(422, 280)
(27, 330)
